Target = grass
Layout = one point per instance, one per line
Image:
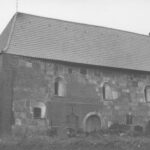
(94, 142)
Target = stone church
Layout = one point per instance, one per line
(60, 74)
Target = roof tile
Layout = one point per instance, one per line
(48, 38)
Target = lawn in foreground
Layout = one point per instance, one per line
(100, 142)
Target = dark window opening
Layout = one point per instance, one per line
(129, 119)
(83, 71)
(104, 93)
(36, 112)
(56, 87)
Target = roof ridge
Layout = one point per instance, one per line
(86, 24)
(10, 34)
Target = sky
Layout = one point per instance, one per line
(128, 15)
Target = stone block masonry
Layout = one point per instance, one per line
(44, 93)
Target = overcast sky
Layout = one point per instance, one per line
(129, 15)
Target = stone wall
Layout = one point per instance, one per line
(83, 89)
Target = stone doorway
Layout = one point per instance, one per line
(92, 122)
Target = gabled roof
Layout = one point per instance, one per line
(47, 38)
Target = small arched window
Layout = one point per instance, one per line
(147, 93)
(109, 93)
(59, 87)
(39, 111)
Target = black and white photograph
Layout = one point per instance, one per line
(74, 75)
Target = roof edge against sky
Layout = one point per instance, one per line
(11, 32)
(84, 24)
(5, 36)
(13, 20)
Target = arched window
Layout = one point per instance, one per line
(59, 87)
(109, 93)
(147, 93)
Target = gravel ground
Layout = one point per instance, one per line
(107, 142)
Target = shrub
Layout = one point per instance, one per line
(138, 130)
(52, 132)
(118, 128)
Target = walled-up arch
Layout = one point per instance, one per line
(92, 122)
